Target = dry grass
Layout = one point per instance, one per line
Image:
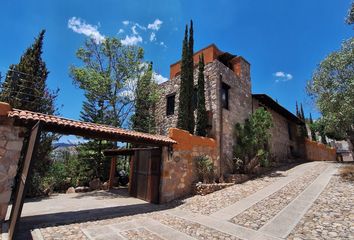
(347, 173)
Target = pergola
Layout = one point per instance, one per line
(37, 122)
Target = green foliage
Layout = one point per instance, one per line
(350, 17)
(205, 169)
(25, 88)
(312, 128)
(185, 108)
(202, 117)
(146, 96)
(66, 171)
(332, 88)
(252, 140)
(108, 77)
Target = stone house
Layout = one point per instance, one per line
(229, 100)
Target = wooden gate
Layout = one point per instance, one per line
(145, 170)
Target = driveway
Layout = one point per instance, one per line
(308, 201)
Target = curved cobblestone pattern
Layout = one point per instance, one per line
(259, 214)
(331, 216)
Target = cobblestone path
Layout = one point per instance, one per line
(308, 201)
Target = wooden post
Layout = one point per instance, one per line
(112, 172)
(22, 184)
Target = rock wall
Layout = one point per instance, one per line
(11, 140)
(178, 171)
(222, 120)
(316, 151)
(280, 142)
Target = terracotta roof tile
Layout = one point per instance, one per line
(28, 116)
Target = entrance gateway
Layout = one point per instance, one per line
(146, 163)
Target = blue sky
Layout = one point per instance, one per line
(283, 40)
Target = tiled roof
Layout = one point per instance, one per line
(68, 126)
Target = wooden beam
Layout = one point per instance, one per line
(22, 185)
(112, 172)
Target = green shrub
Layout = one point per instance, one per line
(252, 139)
(205, 169)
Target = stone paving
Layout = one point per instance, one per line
(331, 216)
(259, 214)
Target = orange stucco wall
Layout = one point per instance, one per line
(178, 169)
(316, 151)
(210, 54)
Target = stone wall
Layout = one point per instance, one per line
(316, 151)
(222, 120)
(178, 171)
(11, 140)
(280, 142)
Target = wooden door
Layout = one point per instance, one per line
(146, 175)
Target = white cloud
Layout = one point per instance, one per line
(121, 31)
(282, 76)
(155, 25)
(139, 26)
(152, 37)
(134, 30)
(81, 27)
(131, 40)
(159, 78)
(126, 22)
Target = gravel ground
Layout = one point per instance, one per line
(259, 214)
(331, 216)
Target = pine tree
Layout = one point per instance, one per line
(143, 120)
(182, 121)
(202, 117)
(25, 88)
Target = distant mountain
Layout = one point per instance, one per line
(63, 145)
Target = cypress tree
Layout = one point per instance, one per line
(143, 120)
(313, 133)
(202, 117)
(297, 110)
(302, 113)
(191, 122)
(184, 102)
(25, 88)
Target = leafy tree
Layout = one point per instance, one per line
(202, 117)
(25, 88)
(146, 97)
(332, 88)
(185, 108)
(252, 140)
(108, 78)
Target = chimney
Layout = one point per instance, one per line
(241, 68)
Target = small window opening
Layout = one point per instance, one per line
(225, 95)
(170, 106)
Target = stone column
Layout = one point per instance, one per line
(11, 141)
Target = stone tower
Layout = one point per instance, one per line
(227, 93)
